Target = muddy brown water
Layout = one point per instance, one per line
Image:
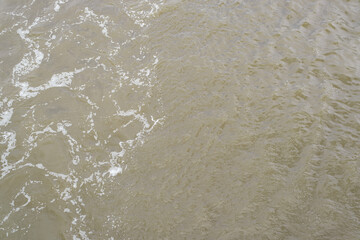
(180, 119)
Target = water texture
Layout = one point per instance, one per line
(180, 119)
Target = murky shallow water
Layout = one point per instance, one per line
(153, 119)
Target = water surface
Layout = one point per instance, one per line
(179, 119)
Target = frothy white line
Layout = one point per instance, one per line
(10, 139)
(63, 79)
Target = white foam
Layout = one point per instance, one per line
(65, 195)
(33, 59)
(5, 117)
(29, 63)
(8, 138)
(34, 135)
(156, 61)
(17, 209)
(58, 3)
(132, 112)
(113, 171)
(74, 146)
(27, 196)
(22, 33)
(101, 20)
(137, 82)
(57, 7)
(40, 166)
(83, 235)
(63, 79)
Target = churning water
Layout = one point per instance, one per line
(180, 119)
